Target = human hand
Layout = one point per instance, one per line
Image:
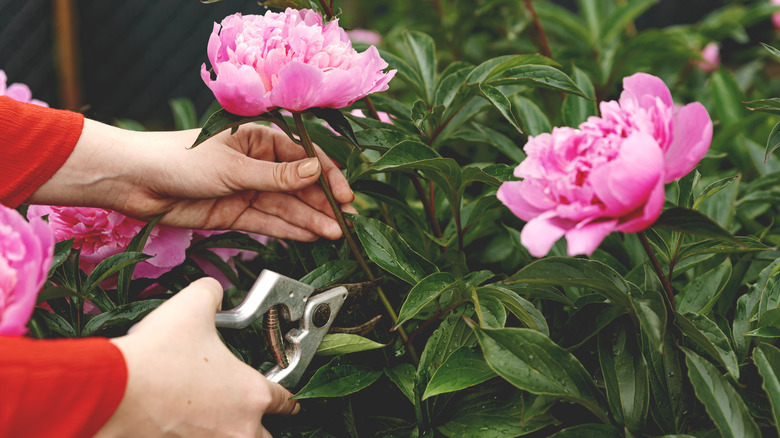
(255, 180)
(182, 381)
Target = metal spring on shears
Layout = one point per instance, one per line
(273, 336)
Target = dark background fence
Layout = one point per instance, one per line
(135, 55)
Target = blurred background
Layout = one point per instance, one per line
(128, 58)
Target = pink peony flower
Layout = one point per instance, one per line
(102, 233)
(710, 58)
(609, 174)
(26, 251)
(17, 91)
(289, 60)
(365, 36)
(776, 15)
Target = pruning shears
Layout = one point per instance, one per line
(296, 301)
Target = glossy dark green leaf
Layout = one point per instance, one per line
(707, 335)
(403, 376)
(338, 122)
(564, 271)
(389, 251)
(722, 402)
(450, 81)
(532, 117)
(695, 223)
(542, 76)
(695, 295)
(55, 322)
(329, 273)
(587, 322)
(523, 309)
(499, 101)
(53, 292)
(137, 244)
(773, 142)
(727, 96)
(419, 115)
(381, 138)
(61, 252)
(490, 311)
(531, 361)
(499, 413)
(344, 343)
(464, 368)
(125, 316)
(452, 333)
(593, 430)
(337, 379)
(184, 116)
(625, 374)
(577, 109)
(422, 57)
(109, 267)
(714, 187)
(767, 283)
(223, 120)
(650, 309)
(624, 14)
(230, 239)
(424, 293)
(767, 359)
(671, 399)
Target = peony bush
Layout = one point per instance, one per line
(567, 218)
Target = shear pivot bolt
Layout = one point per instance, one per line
(321, 315)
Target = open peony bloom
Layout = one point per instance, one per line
(289, 60)
(26, 250)
(17, 91)
(609, 174)
(102, 233)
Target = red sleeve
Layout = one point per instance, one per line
(62, 388)
(34, 143)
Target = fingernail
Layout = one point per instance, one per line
(308, 168)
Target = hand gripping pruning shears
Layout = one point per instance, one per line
(296, 303)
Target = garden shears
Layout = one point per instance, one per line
(295, 303)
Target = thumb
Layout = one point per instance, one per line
(283, 177)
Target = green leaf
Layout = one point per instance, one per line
(389, 251)
(768, 283)
(55, 322)
(403, 376)
(464, 368)
(533, 118)
(422, 51)
(589, 431)
(338, 122)
(625, 374)
(344, 343)
(137, 244)
(124, 315)
(501, 103)
(771, 106)
(53, 292)
(531, 361)
(722, 402)
(423, 293)
(772, 50)
(109, 267)
(223, 120)
(651, 311)
(184, 116)
(329, 273)
(670, 394)
(703, 288)
(727, 96)
(587, 322)
(337, 379)
(577, 109)
(773, 142)
(61, 252)
(523, 309)
(499, 413)
(538, 76)
(707, 335)
(767, 359)
(695, 223)
(452, 333)
(621, 17)
(713, 188)
(565, 271)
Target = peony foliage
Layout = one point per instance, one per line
(567, 217)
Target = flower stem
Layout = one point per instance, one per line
(309, 148)
(544, 46)
(657, 267)
(326, 9)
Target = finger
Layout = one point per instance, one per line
(193, 306)
(280, 402)
(339, 185)
(315, 197)
(298, 213)
(263, 433)
(264, 176)
(256, 221)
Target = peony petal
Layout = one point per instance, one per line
(584, 239)
(690, 142)
(524, 199)
(299, 86)
(647, 215)
(625, 183)
(540, 234)
(642, 84)
(239, 90)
